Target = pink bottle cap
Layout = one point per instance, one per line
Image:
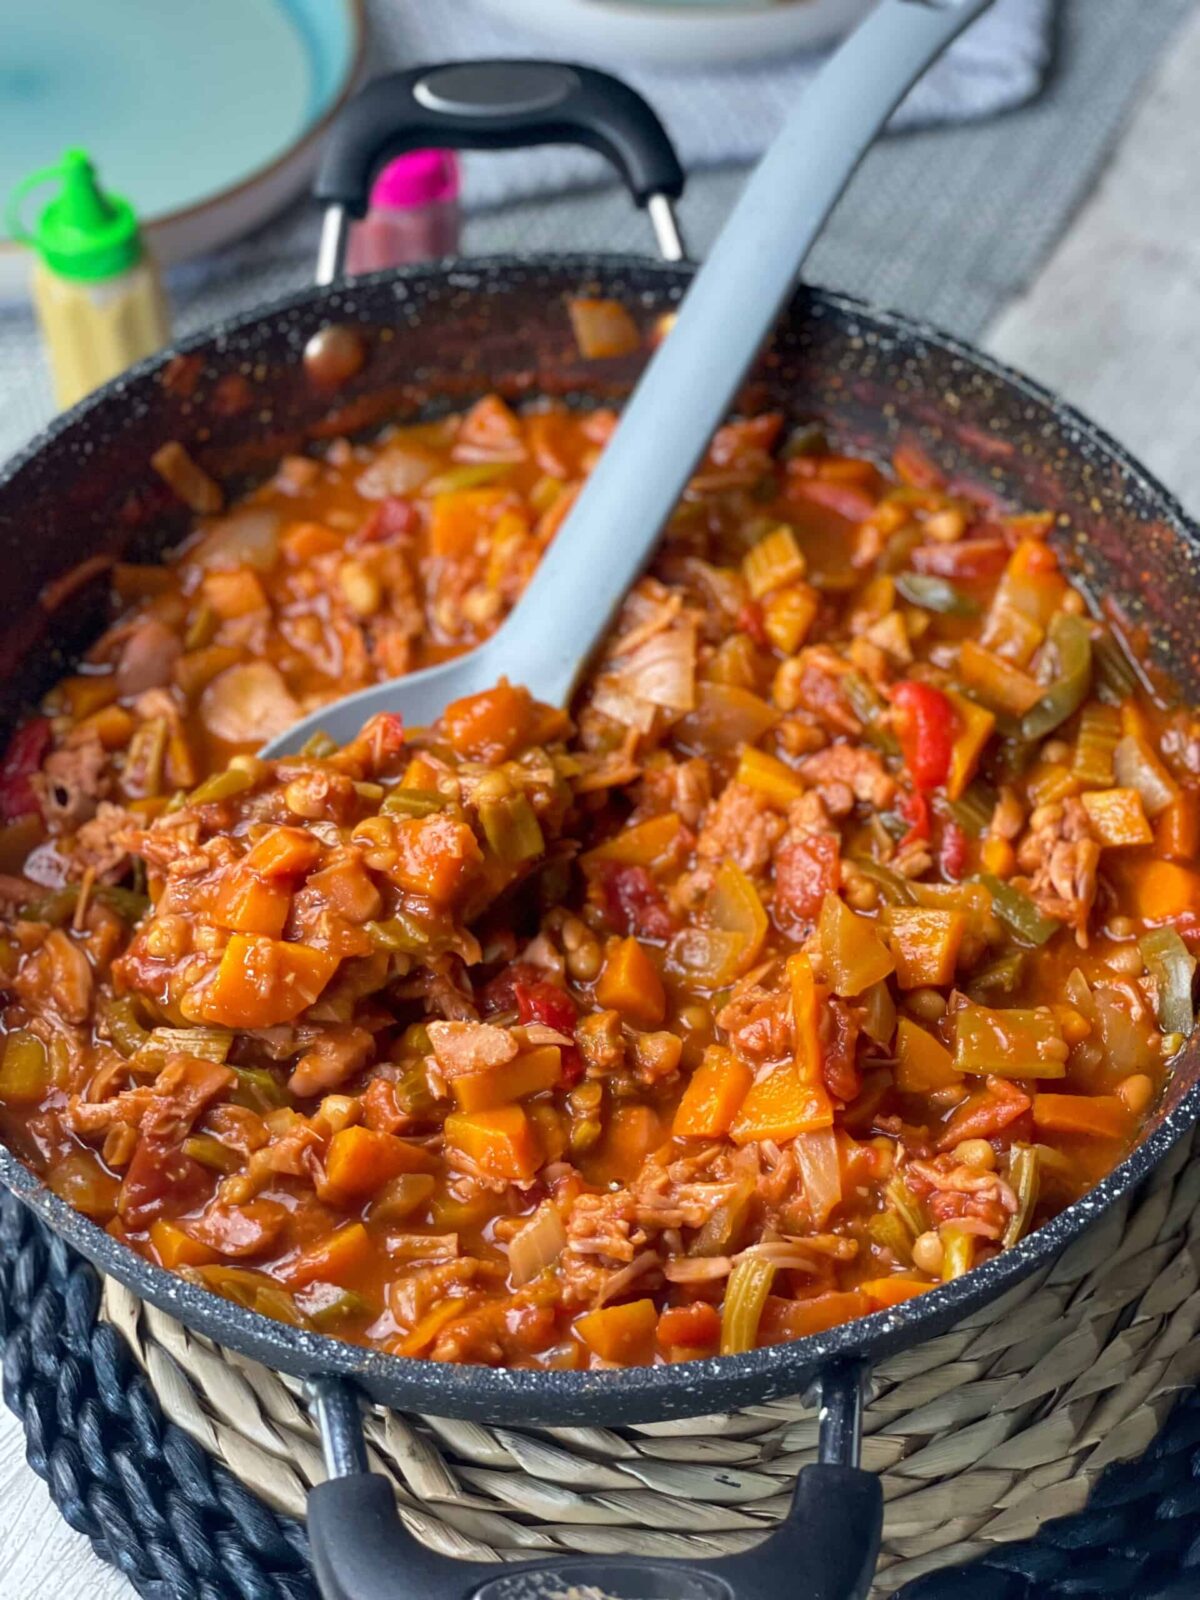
(422, 178)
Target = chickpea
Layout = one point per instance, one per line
(361, 587)
(492, 786)
(304, 798)
(1125, 959)
(1056, 750)
(927, 1254)
(1136, 1092)
(945, 526)
(1122, 927)
(999, 857)
(1044, 817)
(861, 893)
(927, 1004)
(1072, 603)
(584, 954)
(481, 605)
(166, 937)
(1007, 816)
(657, 1054)
(694, 1019)
(977, 1154)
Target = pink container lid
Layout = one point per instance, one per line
(422, 178)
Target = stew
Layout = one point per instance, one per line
(840, 936)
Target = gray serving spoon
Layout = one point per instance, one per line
(688, 387)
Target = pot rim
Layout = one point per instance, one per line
(632, 1394)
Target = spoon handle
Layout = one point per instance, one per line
(729, 310)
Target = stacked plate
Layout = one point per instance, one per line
(682, 33)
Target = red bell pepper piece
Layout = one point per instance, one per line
(24, 756)
(914, 808)
(926, 724)
(952, 857)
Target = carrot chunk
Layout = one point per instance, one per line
(892, 1290)
(1177, 828)
(1159, 891)
(492, 725)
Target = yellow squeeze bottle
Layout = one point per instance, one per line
(97, 291)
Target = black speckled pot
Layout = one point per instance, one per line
(238, 397)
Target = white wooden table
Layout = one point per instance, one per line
(1112, 323)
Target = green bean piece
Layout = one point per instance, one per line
(1173, 968)
(1071, 640)
(220, 786)
(1018, 912)
(413, 803)
(935, 594)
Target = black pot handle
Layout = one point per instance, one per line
(494, 105)
(825, 1549)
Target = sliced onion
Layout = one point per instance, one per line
(820, 1166)
(1135, 767)
(248, 704)
(724, 718)
(662, 670)
(248, 538)
(537, 1246)
(398, 469)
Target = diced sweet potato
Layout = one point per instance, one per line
(621, 1334)
(336, 1259)
(1090, 1116)
(284, 853)
(360, 1161)
(780, 1106)
(923, 1064)
(260, 982)
(246, 903)
(528, 1073)
(435, 856)
(501, 1142)
(176, 1249)
(629, 983)
(713, 1096)
(924, 945)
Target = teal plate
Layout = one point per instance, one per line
(205, 115)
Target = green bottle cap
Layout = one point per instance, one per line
(85, 233)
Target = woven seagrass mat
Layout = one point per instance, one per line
(981, 1436)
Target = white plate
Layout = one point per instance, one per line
(682, 33)
(206, 116)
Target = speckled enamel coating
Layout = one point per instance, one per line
(436, 337)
